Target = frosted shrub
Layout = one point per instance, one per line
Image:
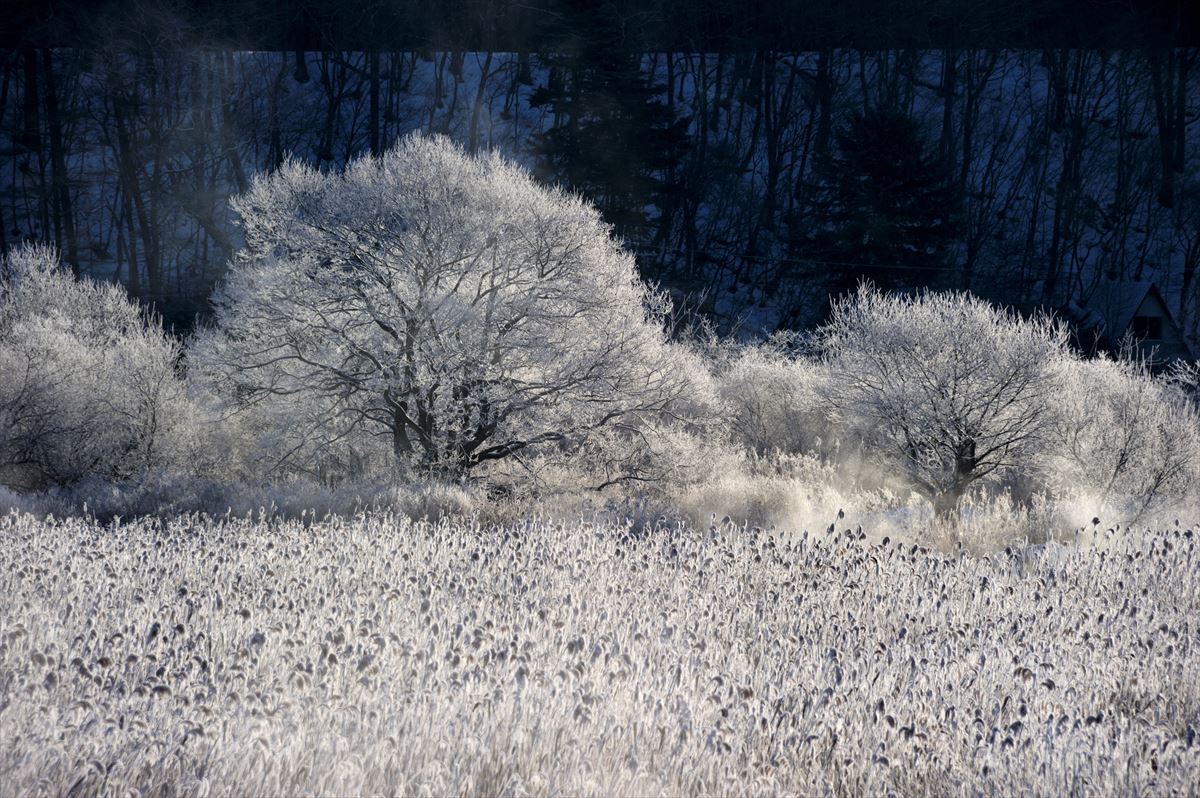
(771, 397)
(1123, 439)
(791, 492)
(291, 437)
(646, 462)
(87, 385)
(431, 500)
(944, 387)
(443, 305)
(1186, 376)
(661, 462)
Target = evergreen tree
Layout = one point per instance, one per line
(887, 210)
(614, 139)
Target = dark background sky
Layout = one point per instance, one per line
(646, 24)
(710, 25)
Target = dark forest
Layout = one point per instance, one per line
(1032, 158)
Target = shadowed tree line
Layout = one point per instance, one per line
(752, 180)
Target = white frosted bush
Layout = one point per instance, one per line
(292, 437)
(88, 386)
(946, 389)
(1123, 439)
(771, 397)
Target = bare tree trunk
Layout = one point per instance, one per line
(151, 235)
(1187, 59)
(301, 70)
(1169, 71)
(439, 90)
(130, 237)
(945, 503)
(1162, 77)
(1069, 95)
(456, 73)
(696, 173)
(65, 217)
(1189, 293)
(824, 97)
(373, 138)
(275, 145)
(3, 106)
(32, 137)
(333, 86)
(128, 173)
(485, 71)
(228, 143)
(949, 90)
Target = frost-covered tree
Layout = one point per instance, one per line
(944, 386)
(444, 303)
(770, 395)
(87, 386)
(1122, 434)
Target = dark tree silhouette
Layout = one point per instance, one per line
(888, 208)
(614, 138)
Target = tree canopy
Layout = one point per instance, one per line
(946, 386)
(443, 302)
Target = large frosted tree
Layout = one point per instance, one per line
(444, 303)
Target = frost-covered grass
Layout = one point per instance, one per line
(382, 656)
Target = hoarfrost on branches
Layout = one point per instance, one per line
(946, 386)
(87, 386)
(1121, 434)
(444, 303)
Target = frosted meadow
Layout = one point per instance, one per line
(429, 506)
(381, 656)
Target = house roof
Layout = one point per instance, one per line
(1105, 316)
(1117, 301)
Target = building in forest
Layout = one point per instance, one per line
(1133, 313)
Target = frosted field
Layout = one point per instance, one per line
(378, 656)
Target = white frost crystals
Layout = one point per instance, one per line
(1120, 434)
(441, 307)
(87, 386)
(377, 656)
(947, 386)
